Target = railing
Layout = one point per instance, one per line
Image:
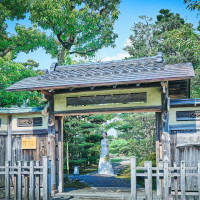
(166, 177)
(25, 179)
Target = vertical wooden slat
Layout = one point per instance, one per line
(15, 182)
(176, 183)
(148, 180)
(37, 183)
(46, 178)
(19, 180)
(7, 179)
(49, 179)
(166, 180)
(198, 182)
(160, 181)
(26, 184)
(32, 181)
(133, 179)
(183, 196)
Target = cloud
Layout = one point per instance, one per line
(128, 43)
(119, 56)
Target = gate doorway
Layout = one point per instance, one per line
(127, 86)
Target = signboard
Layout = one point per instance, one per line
(189, 139)
(28, 122)
(29, 142)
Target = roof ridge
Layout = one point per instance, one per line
(158, 58)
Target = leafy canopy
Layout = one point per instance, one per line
(79, 27)
(11, 72)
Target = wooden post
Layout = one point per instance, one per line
(158, 124)
(176, 183)
(198, 182)
(32, 181)
(183, 196)
(133, 179)
(19, 180)
(37, 183)
(15, 182)
(51, 143)
(60, 145)
(7, 180)
(148, 180)
(166, 180)
(160, 182)
(165, 123)
(9, 139)
(46, 187)
(26, 184)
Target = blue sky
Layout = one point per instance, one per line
(129, 12)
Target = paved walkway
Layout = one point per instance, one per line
(96, 180)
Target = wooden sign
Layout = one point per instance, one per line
(188, 139)
(29, 142)
(106, 99)
(28, 122)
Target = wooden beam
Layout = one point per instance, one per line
(51, 144)
(106, 111)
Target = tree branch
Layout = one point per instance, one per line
(5, 51)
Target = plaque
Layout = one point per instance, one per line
(28, 122)
(29, 142)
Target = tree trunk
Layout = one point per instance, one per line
(61, 55)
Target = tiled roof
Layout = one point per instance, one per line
(150, 69)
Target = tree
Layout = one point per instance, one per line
(142, 42)
(177, 40)
(77, 27)
(192, 4)
(168, 21)
(11, 72)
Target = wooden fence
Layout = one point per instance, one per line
(27, 180)
(171, 181)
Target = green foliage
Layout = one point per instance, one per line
(136, 135)
(193, 4)
(11, 72)
(78, 27)
(177, 40)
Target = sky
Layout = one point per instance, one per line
(129, 12)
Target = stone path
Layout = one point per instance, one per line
(96, 180)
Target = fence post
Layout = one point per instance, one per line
(199, 178)
(166, 180)
(175, 183)
(7, 180)
(15, 182)
(37, 183)
(148, 180)
(49, 178)
(183, 197)
(32, 181)
(26, 184)
(46, 178)
(133, 179)
(19, 180)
